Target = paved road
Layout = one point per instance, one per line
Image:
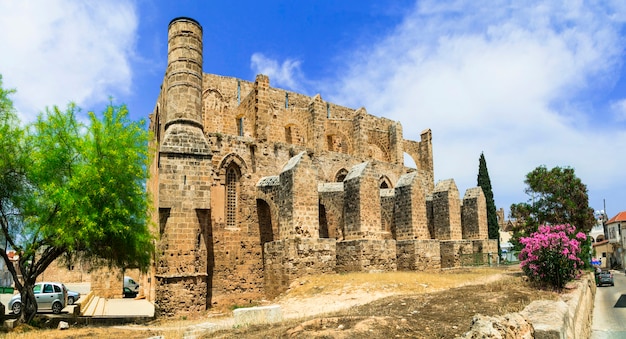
(609, 312)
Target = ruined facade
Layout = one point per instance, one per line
(256, 186)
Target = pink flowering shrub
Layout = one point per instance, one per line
(551, 256)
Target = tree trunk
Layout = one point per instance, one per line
(29, 303)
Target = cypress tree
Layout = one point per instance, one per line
(485, 183)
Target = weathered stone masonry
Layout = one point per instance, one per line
(256, 186)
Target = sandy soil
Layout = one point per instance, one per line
(354, 310)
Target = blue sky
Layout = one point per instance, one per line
(538, 83)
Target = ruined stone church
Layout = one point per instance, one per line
(255, 186)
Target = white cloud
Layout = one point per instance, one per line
(286, 74)
(503, 80)
(59, 51)
(619, 110)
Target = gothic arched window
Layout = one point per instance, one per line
(232, 193)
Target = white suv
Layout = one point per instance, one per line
(49, 295)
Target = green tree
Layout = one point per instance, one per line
(557, 196)
(78, 190)
(485, 183)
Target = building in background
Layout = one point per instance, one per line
(506, 232)
(616, 234)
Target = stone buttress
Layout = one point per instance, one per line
(475, 228)
(363, 247)
(299, 250)
(416, 249)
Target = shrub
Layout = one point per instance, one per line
(551, 256)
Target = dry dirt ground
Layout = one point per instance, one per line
(359, 305)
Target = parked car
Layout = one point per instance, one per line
(128, 293)
(49, 296)
(72, 296)
(605, 278)
(131, 288)
(131, 284)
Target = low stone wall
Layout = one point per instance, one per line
(107, 283)
(452, 252)
(418, 255)
(288, 259)
(366, 255)
(569, 317)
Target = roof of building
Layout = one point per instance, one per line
(599, 243)
(621, 216)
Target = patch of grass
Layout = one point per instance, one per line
(395, 282)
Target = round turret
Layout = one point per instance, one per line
(183, 76)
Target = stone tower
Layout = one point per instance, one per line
(184, 73)
(184, 166)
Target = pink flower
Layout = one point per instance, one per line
(550, 255)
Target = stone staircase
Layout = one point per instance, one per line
(111, 310)
(91, 305)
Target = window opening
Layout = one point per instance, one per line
(240, 127)
(288, 138)
(286, 100)
(238, 92)
(341, 175)
(232, 178)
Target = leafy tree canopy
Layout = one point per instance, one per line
(72, 188)
(557, 196)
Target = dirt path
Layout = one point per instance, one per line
(303, 307)
(308, 298)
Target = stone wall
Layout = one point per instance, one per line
(286, 260)
(418, 255)
(331, 197)
(107, 283)
(569, 317)
(387, 213)
(453, 252)
(59, 270)
(366, 255)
